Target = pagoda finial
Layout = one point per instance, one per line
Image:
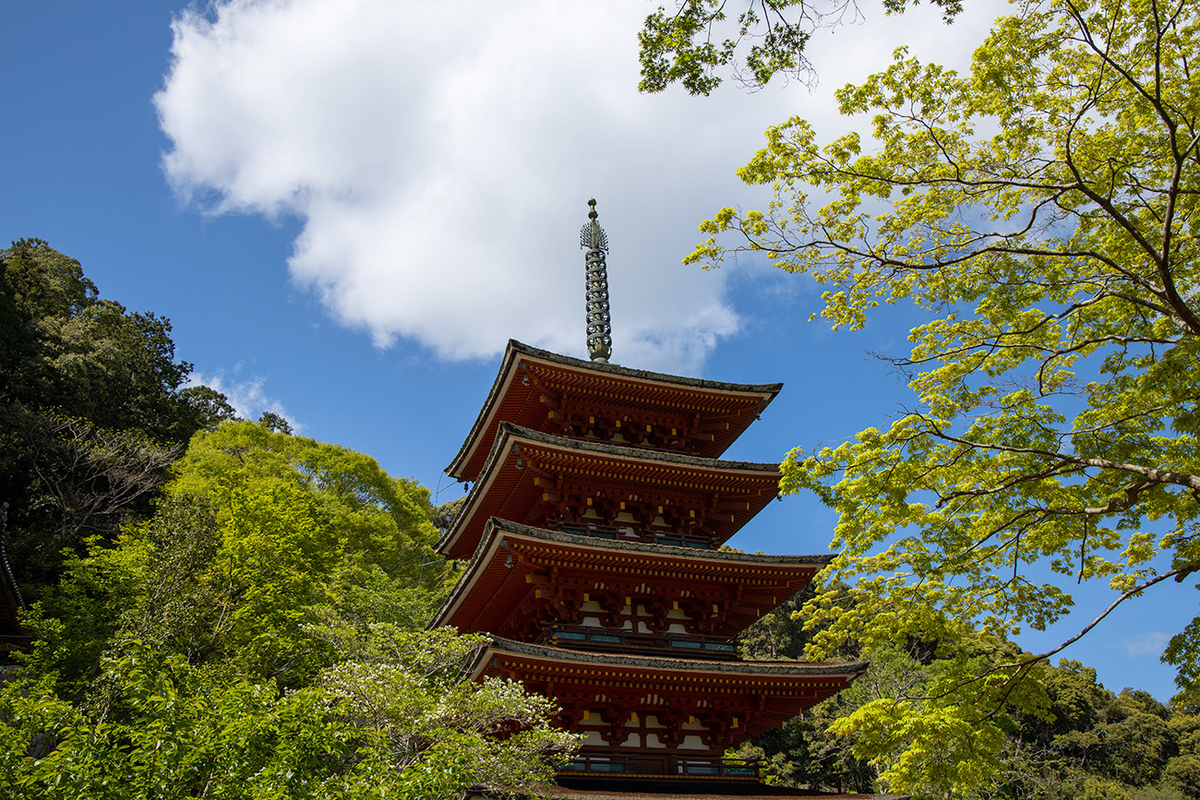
(599, 325)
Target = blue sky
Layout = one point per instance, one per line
(347, 208)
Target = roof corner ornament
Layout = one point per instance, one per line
(599, 324)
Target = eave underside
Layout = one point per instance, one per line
(548, 481)
(524, 581)
(556, 394)
(724, 703)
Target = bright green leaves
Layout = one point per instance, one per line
(670, 50)
(930, 727)
(164, 729)
(259, 637)
(938, 752)
(395, 727)
(1042, 213)
(261, 534)
(686, 47)
(690, 44)
(444, 731)
(296, 522)
(345, 491)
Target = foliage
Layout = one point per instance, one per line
(84, 481)
(87, 356)
(91, 409)
(413, 687)
(344, 493)
(779, 635)
(158, 727)
(248, 629)
(261, 534)
(1040, 214)
(259, 636)
(685, 46)
(207, 407)
(445, 514)
(1080, 740)
(274, 423)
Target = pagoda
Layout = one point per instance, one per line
(591, 531)
(12, 636)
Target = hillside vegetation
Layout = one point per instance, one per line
(220, 608)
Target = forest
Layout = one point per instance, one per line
(221, 608)
(218, 608)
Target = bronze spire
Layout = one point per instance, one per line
(599, 324)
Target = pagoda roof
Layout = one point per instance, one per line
(494, 585)
(776, 691)
(762, 792)
(527, 374)
(523, 464)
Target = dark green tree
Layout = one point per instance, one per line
(274, 422)
(91, 409)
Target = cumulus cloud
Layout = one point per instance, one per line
(440, 155)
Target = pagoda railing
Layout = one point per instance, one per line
(665, 764)
(628, 533)
(682, 644)
(12, 641)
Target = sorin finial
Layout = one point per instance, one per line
(599, 325)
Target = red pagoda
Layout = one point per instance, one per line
(591, 530)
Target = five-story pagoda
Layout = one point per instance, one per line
(592, 527)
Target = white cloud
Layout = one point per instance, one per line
(248, 397)
(440, 156)
(1150, 643)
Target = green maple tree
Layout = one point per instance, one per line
(1041, 213)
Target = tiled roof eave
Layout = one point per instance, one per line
(516, 350)
(496, 528)
(508, 431)
(749, 669)
(630, 453)
(690, 553)
(505, 374)
(770, 389)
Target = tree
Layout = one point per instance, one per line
(260, 535)
(295, 526)
(91, 409)
(1040, 213)
(405, 726)
(83, 355)
(87, 482)
(208, 407)
(261, 636)
(274, 422)
(686, 46)
(414, 688)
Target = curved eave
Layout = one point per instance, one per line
(778, 690)
(521, 404)
(501, 478)
(488, 583)
(617, 667)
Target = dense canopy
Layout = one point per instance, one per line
(1040, 212)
